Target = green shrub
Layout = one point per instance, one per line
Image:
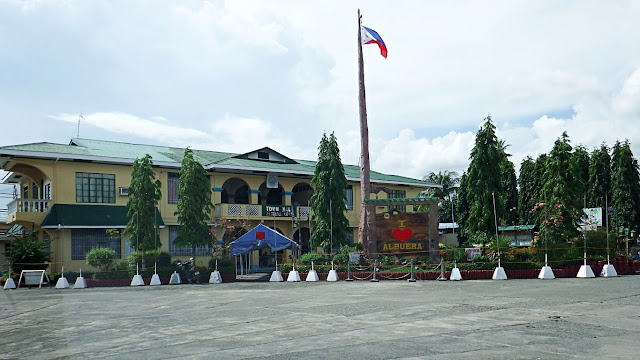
(28, 253)
(101, 258)
(225, 265)
(307, 258)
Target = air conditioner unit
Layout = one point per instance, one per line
(123, 191)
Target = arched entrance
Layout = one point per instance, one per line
(302, 236)
(271, 196)
(235, 191)
(302, 193)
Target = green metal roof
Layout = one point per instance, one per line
(399, 200)
(105, 151)
(97, 216)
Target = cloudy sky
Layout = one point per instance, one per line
(240, 75)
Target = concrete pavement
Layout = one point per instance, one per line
(513, 319)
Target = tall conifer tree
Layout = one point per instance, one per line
(484, 180)
(527, 196)
(144, 194)
(194, 207)
(328, 199)
(599, 185)
(625, 187)
(563, 186)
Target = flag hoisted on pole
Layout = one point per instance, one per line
(370, 37)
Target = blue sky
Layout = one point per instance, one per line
(239, 75)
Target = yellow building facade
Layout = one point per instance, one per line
(73, 193)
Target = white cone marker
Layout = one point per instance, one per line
(80, 282)
(137, 278)
(455, 273)
(9, 284)
(294, 275)
(215, 277)
(62, 283)
(333, 274)
(313, 274)
(175, 279)
(276, 276)
(608, 270)
(155, 279)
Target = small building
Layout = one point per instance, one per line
(521, 235)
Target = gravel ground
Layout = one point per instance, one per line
(485, 319)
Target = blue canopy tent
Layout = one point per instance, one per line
(258, 238)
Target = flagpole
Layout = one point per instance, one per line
(365, 190)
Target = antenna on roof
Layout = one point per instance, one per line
(80, 117)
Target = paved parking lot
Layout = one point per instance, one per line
(513, 319)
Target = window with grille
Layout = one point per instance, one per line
(397, 194)
(95, 188)
(83, 240)
(348, 197)
(172, 187)
(184, 250)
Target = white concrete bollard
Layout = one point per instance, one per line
(175, 279)
(585, 272)
(455, 274)
(80, 282)
(294, 275)
(62, 283)
(312, 276)
(333, 274)
(608, 271)
(155, 280)
(9, 284)
(546, 273)
(276, 276)
(499, 274)
(215, 277)
(137, 280)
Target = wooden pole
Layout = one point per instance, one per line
(365, 190)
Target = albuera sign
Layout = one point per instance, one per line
(401, 232)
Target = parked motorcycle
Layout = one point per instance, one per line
(190, 271)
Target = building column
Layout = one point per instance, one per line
(217, 195)
(254, 197)
(287, 197)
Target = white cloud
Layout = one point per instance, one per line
(152, 128)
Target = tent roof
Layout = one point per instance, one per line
(261, 237)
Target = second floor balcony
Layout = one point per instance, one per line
(27, 209)
(262, 211)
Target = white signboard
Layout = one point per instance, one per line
(592, 216)
(471, 252)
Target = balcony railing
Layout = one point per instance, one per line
(28, 206)
(270, 211)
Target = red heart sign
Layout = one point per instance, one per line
(402, 235)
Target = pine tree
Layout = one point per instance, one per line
(144, 194)
(510, 188)
(563, 186)
(527, 196)
(328, 199)
(599, 184)
(462, 209)
(625, 187)
(194, 208)
(484, 181)
(581, 158)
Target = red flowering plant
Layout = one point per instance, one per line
(227, 230)
(551, 221)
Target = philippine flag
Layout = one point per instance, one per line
(371, 37)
